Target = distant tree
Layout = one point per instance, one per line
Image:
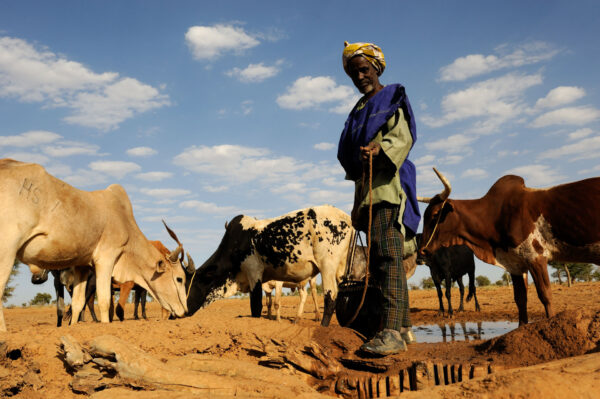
(319, 289)
(596, 274)
(499, 283)
(8, 289)
(413, 286)
(581, 271)
(575, 271)
(482, 281)
(41, 298)
(444, 283)
(427, 283)
(506, 278)
(561, 268)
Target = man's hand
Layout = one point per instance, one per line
(373, 148)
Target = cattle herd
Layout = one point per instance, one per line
(91, 244)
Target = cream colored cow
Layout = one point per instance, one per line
(48, 223)
(301, 287)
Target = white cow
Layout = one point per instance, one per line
(292, 247)
(269, 286)
(47, 223)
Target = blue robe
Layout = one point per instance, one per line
(361, 128)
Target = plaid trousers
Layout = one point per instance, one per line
(387, 270)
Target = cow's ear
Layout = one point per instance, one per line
(448, 206)
(161, 266)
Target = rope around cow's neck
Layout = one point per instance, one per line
(437, 222)
(187, 295)
(368, 255)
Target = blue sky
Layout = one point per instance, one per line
(205, 110)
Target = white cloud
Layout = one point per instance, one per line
(69, 148)
(247, 107)
(294, 187)
(474, 173)
(240, 164)
(537, 175)
(337, 182)
(101, 101)
(505, 153)
(585, 149)
(495, 100)
(215, 189)
(154, 176)
(454, 159)
(424, 160)
(560, 96)
(568, 116)
(29, 139)
(27, 157)
(106, 108)
(118, 169)
(452, 144)
(165, 192)
(210, 42)
(85, 178)
(477, 64)
(580, 133)
(312, 92)
(254, 73)
(589, 171)
(141, 151)
(329, 196)
(172, 219)
(324, 146)
(209, 208)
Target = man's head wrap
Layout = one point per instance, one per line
(370, 51)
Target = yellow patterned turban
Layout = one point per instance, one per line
(370, 51)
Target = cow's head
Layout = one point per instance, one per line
(158, 270)
(440, 222)
(216, 278)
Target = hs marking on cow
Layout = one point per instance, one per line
(32, 192)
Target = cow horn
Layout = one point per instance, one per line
(226, 224)
(447, 188)
(171, 233)
(424, 199)
(174, 255)
(190, 267)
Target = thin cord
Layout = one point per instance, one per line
(364, 294)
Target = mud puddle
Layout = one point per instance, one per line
(462, 331)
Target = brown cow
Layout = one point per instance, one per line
(520, 229)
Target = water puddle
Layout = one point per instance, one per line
(469, 331)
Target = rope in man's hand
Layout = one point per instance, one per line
(368, 255)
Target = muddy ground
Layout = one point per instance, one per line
(262, 357)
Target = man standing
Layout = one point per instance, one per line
(382, 124)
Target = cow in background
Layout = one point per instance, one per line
(520, 229)
(449, 265)
(292, 247)
(64, 279)
(269, 286)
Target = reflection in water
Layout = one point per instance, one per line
(448, 332)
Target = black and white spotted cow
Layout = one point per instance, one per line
(292, 247)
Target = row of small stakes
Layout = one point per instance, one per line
(417, 377)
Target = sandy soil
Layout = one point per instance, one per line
(31, 367)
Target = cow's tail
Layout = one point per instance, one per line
(471, 293)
